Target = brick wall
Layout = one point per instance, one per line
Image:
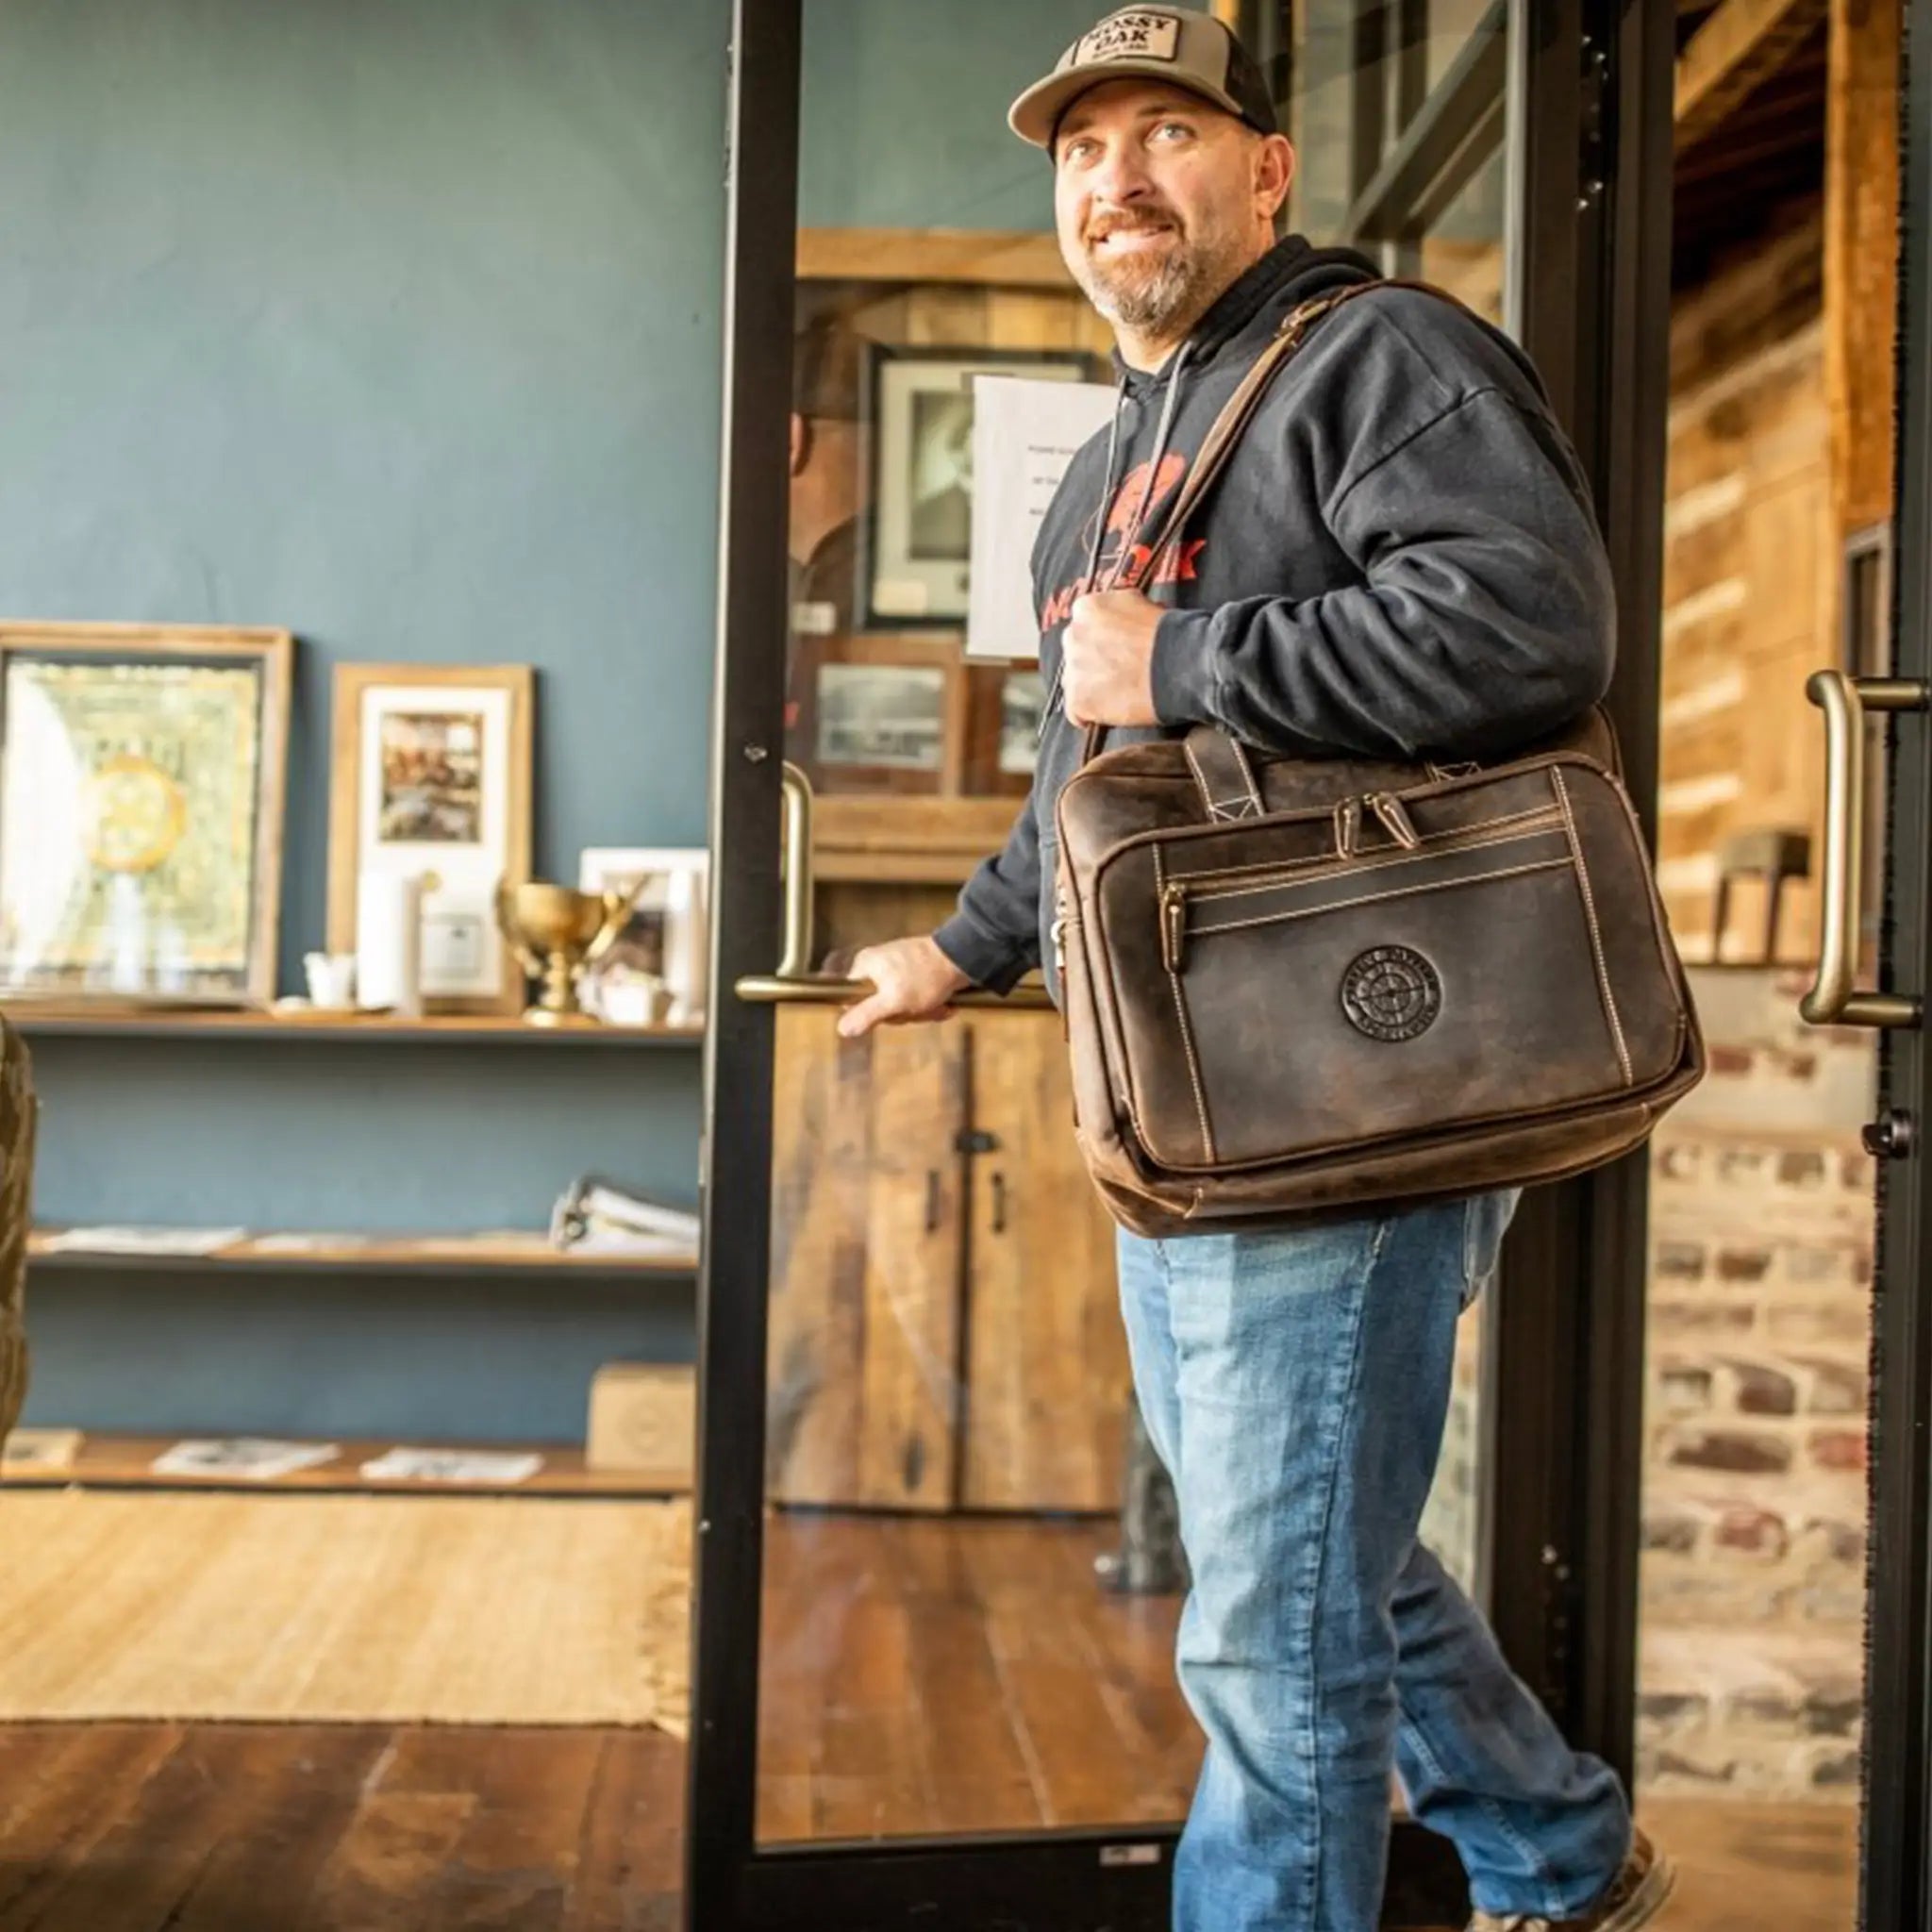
(1753, 1505)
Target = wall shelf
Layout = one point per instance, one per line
(110, 1461)
(495, 1253)
(47, 1021)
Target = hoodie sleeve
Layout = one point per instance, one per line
(1485, 615)
(994, 937)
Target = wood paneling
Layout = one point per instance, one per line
(931, 255)
(906, 840)
(925, 1353)
(1047, 1376)
(1861, 255)
(866, 1252)
(853, 914)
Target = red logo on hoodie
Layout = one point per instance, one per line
(1127, 499)
(1127, 515)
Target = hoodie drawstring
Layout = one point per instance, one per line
(1161, 434)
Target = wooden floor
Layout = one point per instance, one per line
(934, 1674)
(337, 1828)
(249, 1829)
(919, 1676)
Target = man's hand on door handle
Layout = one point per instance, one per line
(911, 980)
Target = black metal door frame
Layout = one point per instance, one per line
(1897, 1859)
(1567, 1358)
(1595, 101)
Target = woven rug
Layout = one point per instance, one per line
(392, 1609)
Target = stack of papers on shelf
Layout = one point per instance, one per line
(453, 1465)
(140, 1240)
(257, 1457)
(31, 1449)
(595, 1216)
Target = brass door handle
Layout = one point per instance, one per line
(794, 983)
(831, 990)
(794, 804)
(1833, 1000)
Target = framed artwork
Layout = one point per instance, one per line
(430, 777)
(880, 713)
(921, 488)
(142, 778)
(885, 716)
(665, 943)
(1003, 707)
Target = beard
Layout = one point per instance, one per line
(1156, 294)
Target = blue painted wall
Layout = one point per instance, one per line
(397, 323)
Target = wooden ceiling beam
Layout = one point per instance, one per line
(1862, 226)
(1740, 44)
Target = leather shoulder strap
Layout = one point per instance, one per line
(1226, 431)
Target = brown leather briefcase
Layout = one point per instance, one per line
(1306, 986)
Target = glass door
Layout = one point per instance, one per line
(938, 1582)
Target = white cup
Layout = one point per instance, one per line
(331, 978)
(389, 943)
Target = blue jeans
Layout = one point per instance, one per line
(1296, 1384)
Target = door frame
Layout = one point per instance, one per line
(1567, 1440)
(1596, 161)
(1895, 1874)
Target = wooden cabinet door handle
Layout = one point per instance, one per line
(934, 1201)
(999, 1201)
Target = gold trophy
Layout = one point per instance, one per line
(556, 932)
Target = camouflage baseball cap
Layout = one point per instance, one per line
(1177, 45)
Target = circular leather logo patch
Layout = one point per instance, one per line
(1391, 992)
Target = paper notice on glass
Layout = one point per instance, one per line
(1025, 434)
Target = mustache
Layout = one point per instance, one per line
(1137, 221)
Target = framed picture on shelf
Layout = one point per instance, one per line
(430, 778)
(884, 718)
(880, 713)
(655, 969)
(1004, 705)
(142, 777)
(920, 403)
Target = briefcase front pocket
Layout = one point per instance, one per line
(1284, 992)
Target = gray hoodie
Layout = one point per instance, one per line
(1400, 558)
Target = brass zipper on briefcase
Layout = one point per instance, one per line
(1176, 894)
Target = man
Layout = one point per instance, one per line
(1400, 560)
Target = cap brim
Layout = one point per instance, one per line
(1035, 115)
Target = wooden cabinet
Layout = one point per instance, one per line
(944, 1326)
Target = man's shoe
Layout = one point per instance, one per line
(1634, 1898)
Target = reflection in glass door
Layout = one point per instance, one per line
(955, 1550)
